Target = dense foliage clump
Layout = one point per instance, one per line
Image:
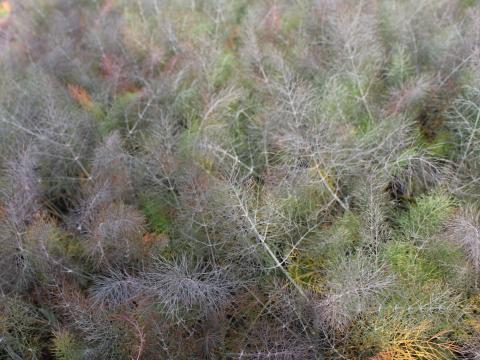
(213, 179)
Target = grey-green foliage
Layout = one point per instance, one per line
(354, 285)
(464, 122)
(179, 286)
(217, 179)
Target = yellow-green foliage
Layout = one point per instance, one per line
(22, 329)
(65, 347)
(409, 342)
(306, 270)
(424, 219)
(420, 266)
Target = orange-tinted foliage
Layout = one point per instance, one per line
(80, 95)
(5, 12)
